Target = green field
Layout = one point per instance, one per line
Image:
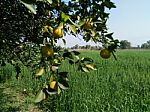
(116, 86)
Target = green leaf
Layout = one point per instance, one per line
(93, 33)
(77, 58)
(50, 29)
(68, 55)
(56, 62)
(114, 56)
(12, 62)
(81, 23)
(29, 1)
(64, 17)
(3, 63)
(71, 62)
(90, 66)
(31, 7)
(50, 1)
(72, 28)
(40, 72)
(51, 79)
(109, 4)
(84, 69)
(64, 41)
(63, 84)
(61, 25)
(86, 60)
(51, 91)
(59, 90)
(54, 68)
(76, 52)
(87, 37)
(40, 97)
(63, 74)
(109, 36)
(78, 17)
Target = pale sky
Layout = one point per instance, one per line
(129, 21)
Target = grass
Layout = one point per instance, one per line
(117, 86)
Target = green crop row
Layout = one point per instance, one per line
(116, 86)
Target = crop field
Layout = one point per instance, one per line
(116, 86)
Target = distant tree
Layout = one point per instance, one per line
(124, 44)
(88, 47)
(76, 46)
(146, 45)
(138, 46)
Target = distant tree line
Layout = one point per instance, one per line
(146, 45)
(86, 47)
(124, 44)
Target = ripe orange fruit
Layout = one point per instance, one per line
(47, 51)
(88, 25)
(52, 84)
(58, 32)
(105, 53)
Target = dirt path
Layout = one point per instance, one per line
(13, 101)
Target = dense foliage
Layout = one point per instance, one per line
(125, 44)
(146, 45)
(30, 30)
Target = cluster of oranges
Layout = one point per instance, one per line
(88, 24)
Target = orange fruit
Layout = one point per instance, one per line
(58, 33)
(88, 25)
(105, 53)
(47, 51)
(52, 84)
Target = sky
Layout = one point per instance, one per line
(129, 21)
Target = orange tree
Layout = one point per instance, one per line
(30, 30)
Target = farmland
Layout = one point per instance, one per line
(116, 86)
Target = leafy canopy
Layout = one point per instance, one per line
(30, 29)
